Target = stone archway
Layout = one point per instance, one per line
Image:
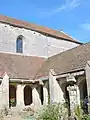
(66, 96)
(83, 89)
(84, 95)
(41, 94)
(12, 95)
(70, 95)
(67, 99)
(27, 95)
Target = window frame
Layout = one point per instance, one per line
(19, 44)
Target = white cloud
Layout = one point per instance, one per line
(69, 5)
(85, 26)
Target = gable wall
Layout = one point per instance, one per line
(34, 43)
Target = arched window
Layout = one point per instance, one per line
(19, 44)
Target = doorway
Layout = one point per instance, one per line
(27, 95)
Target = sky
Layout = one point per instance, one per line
(70, 16)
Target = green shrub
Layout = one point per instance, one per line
(52, 112)
(78, 113)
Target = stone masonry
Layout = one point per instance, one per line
(34, 43)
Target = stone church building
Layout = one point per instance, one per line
(37, 61)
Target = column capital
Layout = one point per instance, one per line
(70, 78)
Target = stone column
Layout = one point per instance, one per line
(78, 95)
(56, 93)
(36, 97)
(45, 93)
(4, 100)
(20, 95)
(74, 96)
(88, 82)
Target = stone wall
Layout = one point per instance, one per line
(34, 43)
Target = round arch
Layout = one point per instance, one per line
(12, 95)
(41, 94)
(27, 95)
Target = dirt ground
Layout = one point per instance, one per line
(12, 118)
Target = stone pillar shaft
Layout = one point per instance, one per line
(36, 97)
(56, 93)
(74, 95)
(45, 93)
(20, 95)
(4, 88)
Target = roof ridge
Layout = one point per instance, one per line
(69, 35)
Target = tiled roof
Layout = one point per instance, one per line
(68, 61)
(19, 66)
(44, 30)
(30, 67)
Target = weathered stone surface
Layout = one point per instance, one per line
(4, 92)
(88, 82)
(56, 93)
(36, 98)
(20, 95)
(45, 93)
(88, 77)
(74, 96)
(34, 43)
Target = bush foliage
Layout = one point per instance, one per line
(52, 112)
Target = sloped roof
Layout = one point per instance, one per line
(68, 61)
(34, 27)
(30, 67)
(19, 66)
